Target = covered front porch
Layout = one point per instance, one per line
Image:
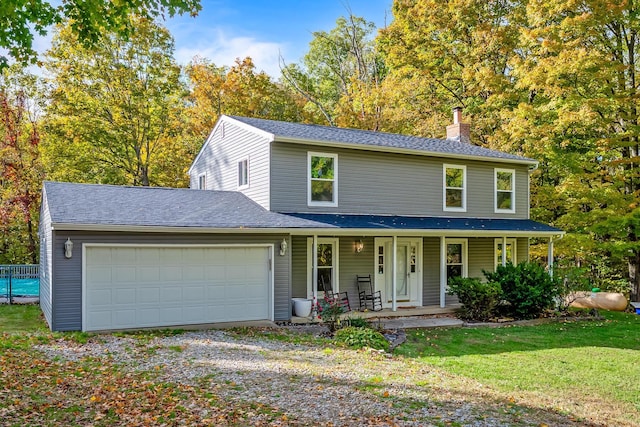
(408, 260)
(433, 310)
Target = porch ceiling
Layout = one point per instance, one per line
(374, 224)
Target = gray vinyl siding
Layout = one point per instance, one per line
(353, 264)
(431, 271)
(219, 159)
(522, 251)
(67, 275)
(46, 238)
(481, 256)
(299, 266)
(385, 183)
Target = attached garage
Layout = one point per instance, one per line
(117, 257)
(133, 286)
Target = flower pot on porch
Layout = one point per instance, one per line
(302, 307)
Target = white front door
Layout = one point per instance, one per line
(407, 270)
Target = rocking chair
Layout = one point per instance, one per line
(369, 299)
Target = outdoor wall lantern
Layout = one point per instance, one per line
(283, 247)
(68, 248)
(359, 246)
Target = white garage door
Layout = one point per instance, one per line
(145, 286)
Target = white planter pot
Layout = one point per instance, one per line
(302, 307)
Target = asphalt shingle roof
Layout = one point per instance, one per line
(357, 137)
(159, 207)
(394, 222)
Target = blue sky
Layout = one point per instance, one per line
(263, 29)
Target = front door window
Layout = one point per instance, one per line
(325, 267)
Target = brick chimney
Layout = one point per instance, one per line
(459, 131)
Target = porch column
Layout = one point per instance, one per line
(443, 271)
(504, 250)
(314, 267)
(394, 279)
(550, 256)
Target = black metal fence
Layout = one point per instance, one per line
(19, 281)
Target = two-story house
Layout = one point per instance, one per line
(279, 210)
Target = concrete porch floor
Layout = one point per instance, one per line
(387, 313)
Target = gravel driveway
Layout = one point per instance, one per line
(311, 385)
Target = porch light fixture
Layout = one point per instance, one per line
(68, 248)
(359, 246)
(283, 247)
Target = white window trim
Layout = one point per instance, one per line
(514, 251)
(245, 186)
(513, 190)
(202, 175)
(444, 188)
(465, 254)
(336, 271)
(334, 156)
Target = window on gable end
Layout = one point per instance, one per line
(455, 188)
(243, 173)
(202, 182)
(323, 179)
(505, 190)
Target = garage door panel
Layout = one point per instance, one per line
(155, 287)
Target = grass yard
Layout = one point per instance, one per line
(577, 367)
(21, 318)
(577, 373)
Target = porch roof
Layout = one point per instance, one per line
(450, 225)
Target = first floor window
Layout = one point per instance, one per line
(243, 173)
(323, 178)
(455, 181)
(456, 258)
(504, 184)
(509, 251)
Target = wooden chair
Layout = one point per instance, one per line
(369, 299)
(342, 298)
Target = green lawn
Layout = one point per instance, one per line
(559, 364)
(21, 318)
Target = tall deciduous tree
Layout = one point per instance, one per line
(20, 168)
(237, 90)
(90, 19)
(580, 61)
(115, 110)
(443, 54)
(341, 74)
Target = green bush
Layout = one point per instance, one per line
(358, 322)
(478, 299)
(362, 337)
(527, 288)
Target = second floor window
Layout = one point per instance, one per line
(323, 179)
(202, 182)
(455, 183)
(505, 189)
(243, 173)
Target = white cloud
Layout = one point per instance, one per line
(222, 49)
